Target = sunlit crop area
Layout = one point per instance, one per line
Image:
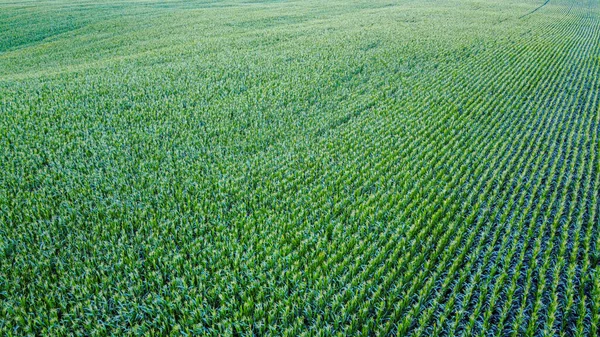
(300, 168)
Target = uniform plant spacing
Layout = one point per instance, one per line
(300, 168)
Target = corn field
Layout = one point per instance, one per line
(300, 168)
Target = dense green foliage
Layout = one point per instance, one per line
(347, 167)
